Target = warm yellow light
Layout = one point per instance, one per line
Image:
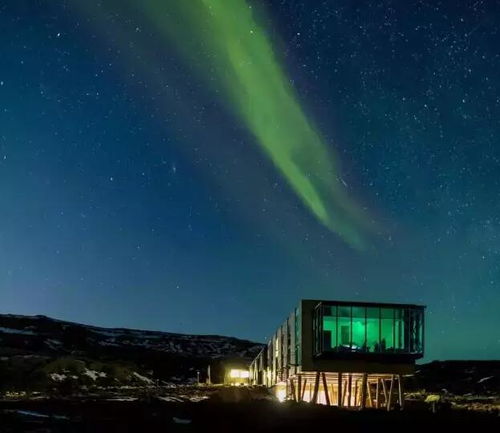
(239, 374)
(281, 394)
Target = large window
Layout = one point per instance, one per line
(401, 342)
(344, 329)
(386, 329)
(329, 327)
(372, 329)
(358, 341)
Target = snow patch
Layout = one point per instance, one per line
(38, 414)
(181, 420)
(484, 379)
(143, 378)
(57, 377)
(171, 399)
(53, 344)
(93, 374)
(122, 399)
(15, 331)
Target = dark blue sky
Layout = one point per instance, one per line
(130, 195)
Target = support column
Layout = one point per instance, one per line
(292, 390)
(377, 393)
(356, 386)
(369, 389)
(303, 391)
(401, 393)
(339, 389)
(384, 388)
(389, 400)
(299, 388)
(325, 386)
(316, 388)
(363, 390)
(349, 388)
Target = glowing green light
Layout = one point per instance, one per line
(223, 41)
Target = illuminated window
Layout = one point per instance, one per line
(344, 328)
(400, 342)
(387, 329)
(358, 343)
(371, 329)
(329, 328)
(239, 374)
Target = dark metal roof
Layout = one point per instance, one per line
(364, 304)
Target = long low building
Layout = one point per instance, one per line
(349, 354)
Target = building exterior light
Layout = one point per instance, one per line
(239, 374)
(281, 394)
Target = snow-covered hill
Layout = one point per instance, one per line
(34, 349)
(44, 334)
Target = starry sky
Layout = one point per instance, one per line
(138, 189)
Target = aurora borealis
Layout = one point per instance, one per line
(243, 64)
(223, 43)
(196, 166)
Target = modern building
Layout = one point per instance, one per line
(349, 354)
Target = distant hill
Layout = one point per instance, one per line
(458, 377)
(37, 352)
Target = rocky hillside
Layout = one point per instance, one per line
(458, 377)
(36, 351)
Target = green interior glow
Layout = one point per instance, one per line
(224, 43)
(372, 329)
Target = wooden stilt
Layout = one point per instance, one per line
(316, 388)
(299, 387)
(389, 400)
(356, 392)
(344, 392)
(325, 386)
(384, 388)
(363, 391)
(370, 399)
(292, 390)
(377, 393)
(303, 390)
(339, 390)
(349, 390)
(401, 393)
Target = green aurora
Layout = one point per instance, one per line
(223, 42)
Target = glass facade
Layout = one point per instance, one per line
(369, 329)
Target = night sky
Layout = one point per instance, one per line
(138, 189)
